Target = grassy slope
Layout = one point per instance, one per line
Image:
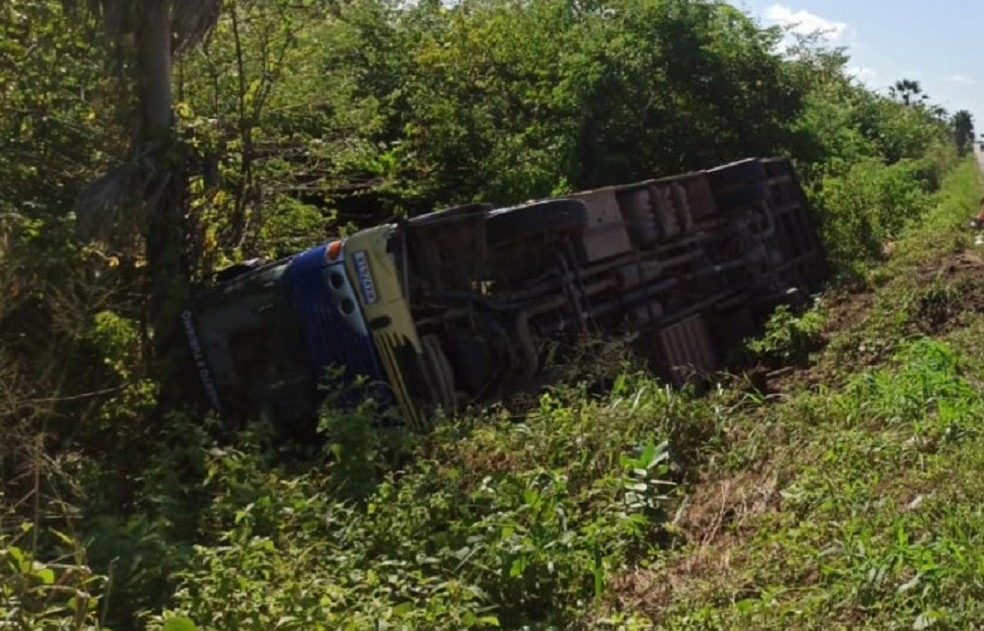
(854, 495)
(846, 494)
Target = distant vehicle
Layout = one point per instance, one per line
(460, 305)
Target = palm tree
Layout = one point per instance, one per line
(906, 89)
(939, 113)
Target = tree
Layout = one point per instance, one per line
(275, 109)
(938, 112)
(52, 85)
(963, 130)
(145, 192)
(513, 100)
(906, 90)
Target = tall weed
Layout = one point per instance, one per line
(488, 522)
(870, 204)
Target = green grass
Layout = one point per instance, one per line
(860, 503)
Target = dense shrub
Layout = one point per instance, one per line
(46, 592)
(869, 205)
(303, 118)
(491, 523)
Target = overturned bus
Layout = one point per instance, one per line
(457, 306)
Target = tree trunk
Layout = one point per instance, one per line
(163, 185)
(154, 50)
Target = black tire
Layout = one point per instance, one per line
(555, 216)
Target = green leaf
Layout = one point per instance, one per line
(22, 563)
(179, 623)
(64, 538)
(46, 574)
(518, 567)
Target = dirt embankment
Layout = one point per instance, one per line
(936, 297)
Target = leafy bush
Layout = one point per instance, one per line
(489, 523)
(871, 204)
(58, 593)
(788, 339)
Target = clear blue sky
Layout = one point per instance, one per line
(939, 43)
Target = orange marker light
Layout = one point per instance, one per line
(334, 249)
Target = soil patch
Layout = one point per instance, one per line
(712, 521)
(950, 290)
